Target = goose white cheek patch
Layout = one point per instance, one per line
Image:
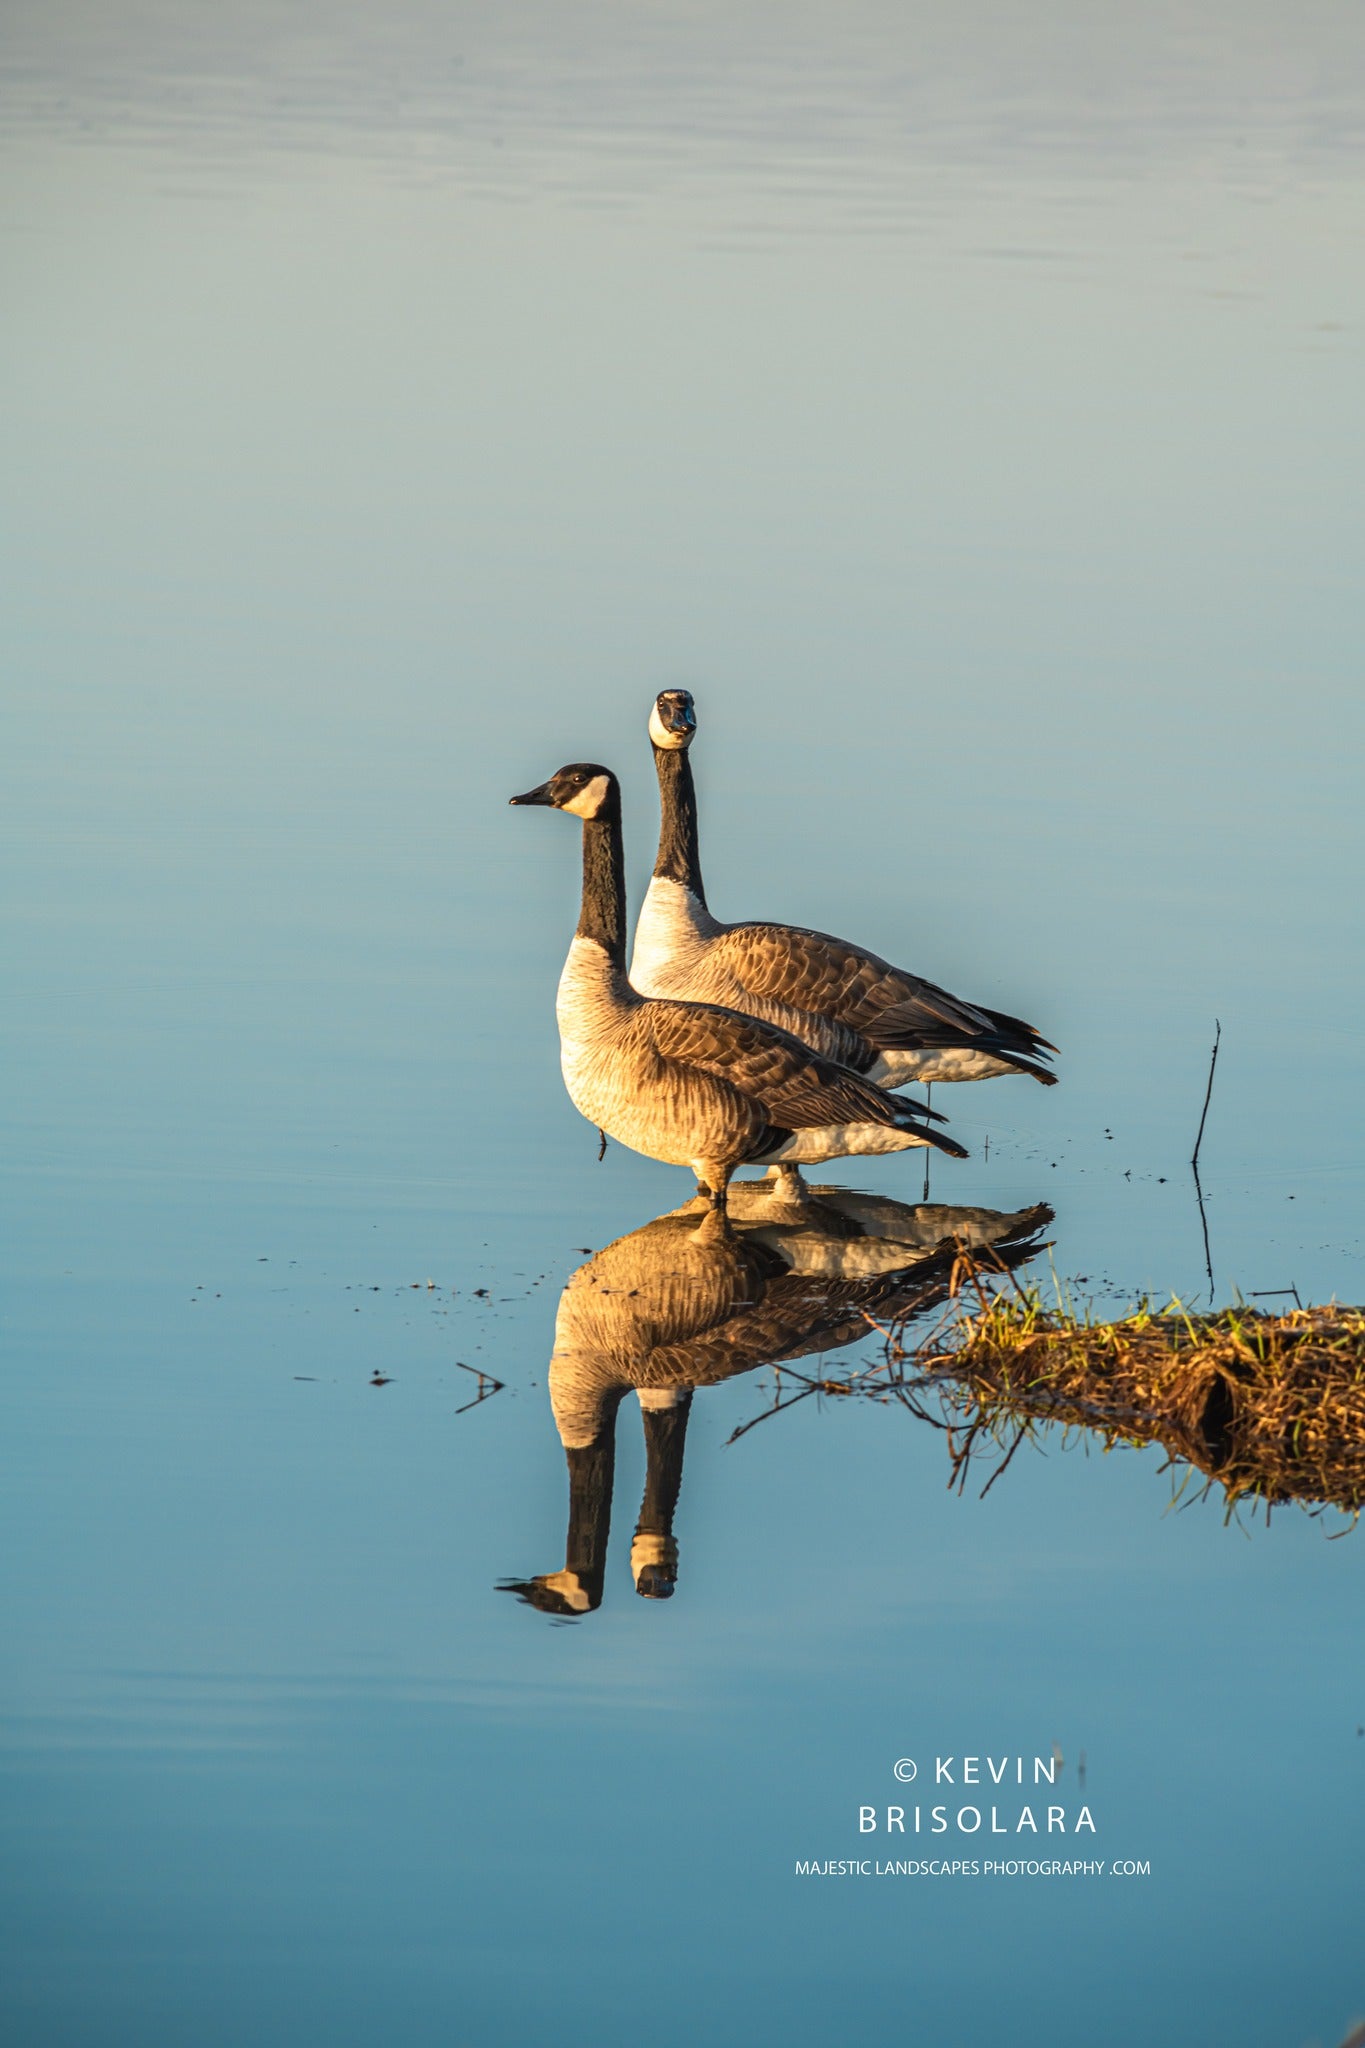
(660, 734)
(589, 799)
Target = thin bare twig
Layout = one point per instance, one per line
(768, 1414)
(488, 1386)
(1194, 1157)
(1203, 1218)
(1213, 1061)
(1004, 1465)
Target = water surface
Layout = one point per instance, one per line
(971, 416)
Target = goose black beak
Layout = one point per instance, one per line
(676, 715)
(541, 795)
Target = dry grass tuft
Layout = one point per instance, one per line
(1269, 1408)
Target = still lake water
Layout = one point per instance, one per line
(973, 419)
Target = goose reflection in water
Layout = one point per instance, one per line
(688, 1301)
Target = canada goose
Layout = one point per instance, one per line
(851, 1005)
(671, 1308)
(691, 1082)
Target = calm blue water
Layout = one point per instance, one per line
(970, 413)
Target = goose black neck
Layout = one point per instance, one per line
(603, 913)
(678, 858)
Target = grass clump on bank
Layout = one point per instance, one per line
(1271, 1408)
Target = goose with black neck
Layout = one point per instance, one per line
(693, 1083)
(890, 1026)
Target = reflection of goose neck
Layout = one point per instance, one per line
(592, 1468)
(654, 1553)
(591, 1474)
(679, 858)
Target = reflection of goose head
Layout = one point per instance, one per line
(670, 1308)
(673, 721)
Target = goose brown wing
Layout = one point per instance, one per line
(801, 1315)
(926, 1016)
(797, 1314)
(893, 1010)
(808, 970)
(796, 1087)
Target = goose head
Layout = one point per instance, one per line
(583, 787)
(673, 721)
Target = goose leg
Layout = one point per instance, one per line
(713, 1181)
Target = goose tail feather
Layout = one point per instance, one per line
(916, 1126)
(1025, 1059)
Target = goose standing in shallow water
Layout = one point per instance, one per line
(689, 1082)
(849, 1004)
